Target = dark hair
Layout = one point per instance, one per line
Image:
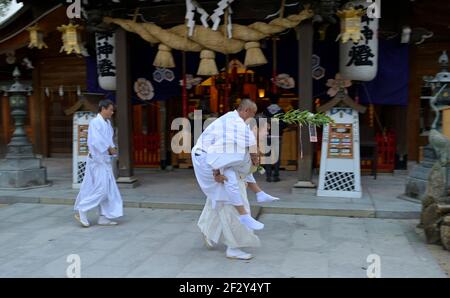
(104, 104)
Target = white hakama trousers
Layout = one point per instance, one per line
(99, 189)
(220, 222)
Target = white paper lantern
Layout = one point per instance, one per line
(359, 61)
(106, 60)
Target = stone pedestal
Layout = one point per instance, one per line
(416, 181)
(20, 169)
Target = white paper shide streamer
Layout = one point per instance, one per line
(191, 7)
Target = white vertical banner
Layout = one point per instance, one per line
(106, 60)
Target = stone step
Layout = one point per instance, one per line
(346, 210)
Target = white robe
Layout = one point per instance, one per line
(99, 186)
(224, 146)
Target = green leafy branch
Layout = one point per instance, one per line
(304, 118)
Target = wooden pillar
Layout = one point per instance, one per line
(5, 119)
(123, 116)
(413, 112)
(36, 111)
(184, 87)
(162, 135)
(305, 86)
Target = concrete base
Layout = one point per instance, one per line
(416, 182)
(123, 184)
(304, 184)
(415, 188)
(49, 183)
(339, 194)
(303, 191)
(417, 179)
(14, 164)
(127, 182)
(23, 179)
(410, 199)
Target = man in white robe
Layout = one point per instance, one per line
(99, 188)
(221, 161)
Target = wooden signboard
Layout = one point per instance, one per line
(340, 141)
(82, 140)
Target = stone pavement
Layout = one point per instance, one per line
(178, 189)
(36, 239)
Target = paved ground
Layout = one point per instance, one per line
(35, 240)
(178, 189)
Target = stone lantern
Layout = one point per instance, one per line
(20, 169)
(439, 100)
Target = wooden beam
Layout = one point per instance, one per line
(6, 118)
(305, 88)
(163, 134)
(175, 13)
(36, 111)
(123, 102)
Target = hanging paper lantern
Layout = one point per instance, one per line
(358, 60)
(36, 38)
(106, 60)
(71, 39)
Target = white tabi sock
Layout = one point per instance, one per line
(82, 218)
(250, 222)
(236, 253)
(262, 197)
(102, 220)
